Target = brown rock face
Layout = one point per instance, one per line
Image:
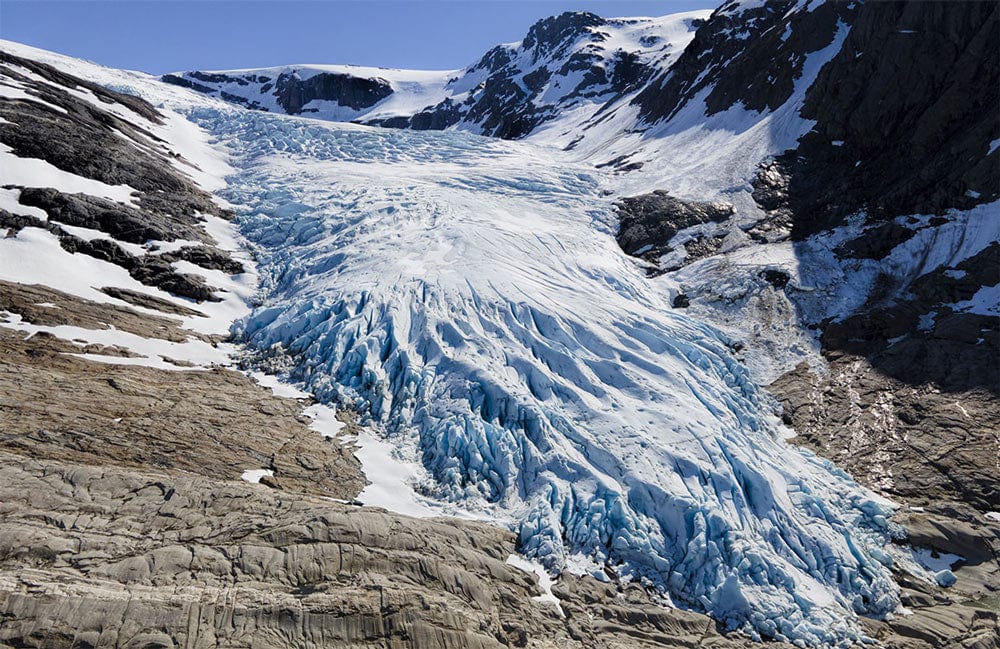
(917, 444)
(101, 557)
(169, 560)
(213, 423)
(936, 453)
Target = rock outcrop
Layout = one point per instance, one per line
(174, 560)
(648, 224)
(96, 142)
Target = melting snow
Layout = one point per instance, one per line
(324, 420)
(152, 352)
(544, 580)
(32, 172)
(934, 561)
(254, 475)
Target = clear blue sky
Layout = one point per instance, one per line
(164, 36)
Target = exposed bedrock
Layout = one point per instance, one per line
(648, 224)
(87, 140)
(149, 269)
(905, 114)
(80, 138)
(294, 92)
(291, 90)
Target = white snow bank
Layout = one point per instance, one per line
(32, 172)
(544, 580)
(254, 475)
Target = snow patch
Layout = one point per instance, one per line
(33, 172)
(324, 420)
(934, 561)
(253, 476)
(544, 580)
(152, 352)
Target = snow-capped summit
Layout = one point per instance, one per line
(565, 70)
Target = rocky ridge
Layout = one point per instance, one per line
(116, 147)
(573, 61)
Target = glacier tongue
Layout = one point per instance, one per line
(467, 297)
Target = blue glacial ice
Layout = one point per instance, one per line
(467, 297)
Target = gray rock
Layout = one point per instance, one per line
(647, 223)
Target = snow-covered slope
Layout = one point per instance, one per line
(567, 69)
(140, 223)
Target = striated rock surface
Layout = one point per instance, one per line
(172, 560)
(215, 423)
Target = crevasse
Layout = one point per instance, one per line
(466, 295)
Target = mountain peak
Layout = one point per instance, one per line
(548, 33)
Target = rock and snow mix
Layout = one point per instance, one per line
(467, 298)
(558, 79)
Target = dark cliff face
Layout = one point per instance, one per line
(290, 90)
(905, 114)
(547, 35)
(354, 92)
(749, 56)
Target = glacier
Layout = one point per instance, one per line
(466, 297)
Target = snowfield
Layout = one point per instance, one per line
(467, 298)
